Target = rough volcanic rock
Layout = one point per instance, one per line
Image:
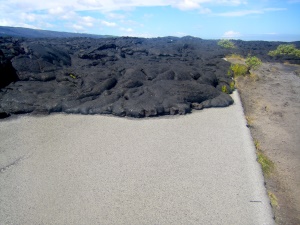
(121, 76)
(262, 48)
(9, 48)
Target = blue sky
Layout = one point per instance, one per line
(210, 19)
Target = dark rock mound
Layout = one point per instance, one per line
(9, 48)
(133, 77)
(40, 62)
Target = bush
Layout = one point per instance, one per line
(253, 62)
(229, 72)
(72, 76)
(285, 49)
(232, 85)
(266, 164)
(239, 70)
(224, 89)
(226, 43)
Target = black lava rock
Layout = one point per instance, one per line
(9, 48)
(133, 77)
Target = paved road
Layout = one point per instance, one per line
(74, 169)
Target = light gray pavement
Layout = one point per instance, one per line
(75, 169)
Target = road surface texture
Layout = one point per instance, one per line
(80, 169)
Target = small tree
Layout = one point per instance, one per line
(239, 70)
(253, 62)
(226, 43)
(285, 49)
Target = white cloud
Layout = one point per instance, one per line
(108, 24)
(6, 22)
(240, 13)
(231, 34)
(58, 6)
(187, 5)
(28, 17)
(87, 21)
(131, 23)
(64, 14)
(68, 15)
(249, 12)
(92, 3)
(78, 27)
(203, 10)
(274, 9)
(46, 25)
(199, 4)
(115, 16)
(28, 26)
(35, 13)
(127, 30)
(56, 10)
(231, 2)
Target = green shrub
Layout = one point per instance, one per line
(285, 49)
(273, 199)
(253, 62)
(232, 86)
(239, 69)
(226, 43)
(224, 89)
(72, 76)
(229, 88)
(266, 164)
(229, 72)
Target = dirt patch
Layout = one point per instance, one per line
(271, 100)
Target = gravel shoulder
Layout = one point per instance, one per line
(271, 100)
